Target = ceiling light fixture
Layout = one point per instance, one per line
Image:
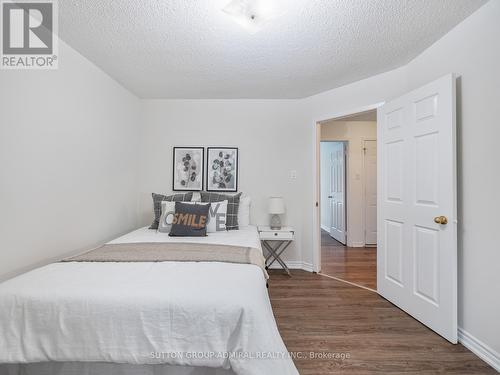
(254, 14)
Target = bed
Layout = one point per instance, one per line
(149, 317)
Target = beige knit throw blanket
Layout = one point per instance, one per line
(177, 252)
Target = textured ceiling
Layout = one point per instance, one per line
(191, 49)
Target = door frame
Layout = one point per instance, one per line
(316, 199)
(346, 183)
(363, 182)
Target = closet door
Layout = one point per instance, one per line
(337, 192)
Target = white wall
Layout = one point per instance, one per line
(67, 173)
(270, 136)
(470, 50)
(354, 133)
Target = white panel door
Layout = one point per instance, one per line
(337, 192)
(417, 237)
(370, 196)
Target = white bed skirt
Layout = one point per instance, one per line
(100, 368)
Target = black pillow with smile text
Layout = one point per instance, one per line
(190, 220)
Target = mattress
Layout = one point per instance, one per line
(248, 236)
(149, 317)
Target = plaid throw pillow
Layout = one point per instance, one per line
(158, 198)
(233, 203)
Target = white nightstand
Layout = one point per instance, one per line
(276, 242)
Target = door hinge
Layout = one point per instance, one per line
(317, 204)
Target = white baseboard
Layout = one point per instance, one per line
(479, 348)
(307, 267)
(294, 265)
(355, 244)
(325, 228)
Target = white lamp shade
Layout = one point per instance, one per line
(276, 205)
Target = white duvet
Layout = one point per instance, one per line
(205, 314)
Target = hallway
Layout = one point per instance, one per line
(357, 265)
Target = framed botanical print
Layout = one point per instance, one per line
(188, 169)
(222, 169)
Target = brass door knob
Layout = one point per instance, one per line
(441, 220)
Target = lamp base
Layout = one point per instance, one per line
(275, 222)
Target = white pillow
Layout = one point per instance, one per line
(196, 196)
(244, 211)
(167, 215)
(217, 215)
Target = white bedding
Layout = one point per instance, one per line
(247, 236)
(175, 313)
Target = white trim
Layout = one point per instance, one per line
(316, 232)
(316, 136)
(307, 267)
(294, 265)
(324, 227)
(363, 183)
(479, 348)
(355, 244)
(344, 114)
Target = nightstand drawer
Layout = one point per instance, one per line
(276, 235)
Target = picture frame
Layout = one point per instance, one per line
(222, 169)
(188, 169)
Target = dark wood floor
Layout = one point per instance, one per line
(318, 314)
(354, 264)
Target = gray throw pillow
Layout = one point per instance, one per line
(233, 203)
(158, 198)
(190, 220)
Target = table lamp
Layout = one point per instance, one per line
(276, 208)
